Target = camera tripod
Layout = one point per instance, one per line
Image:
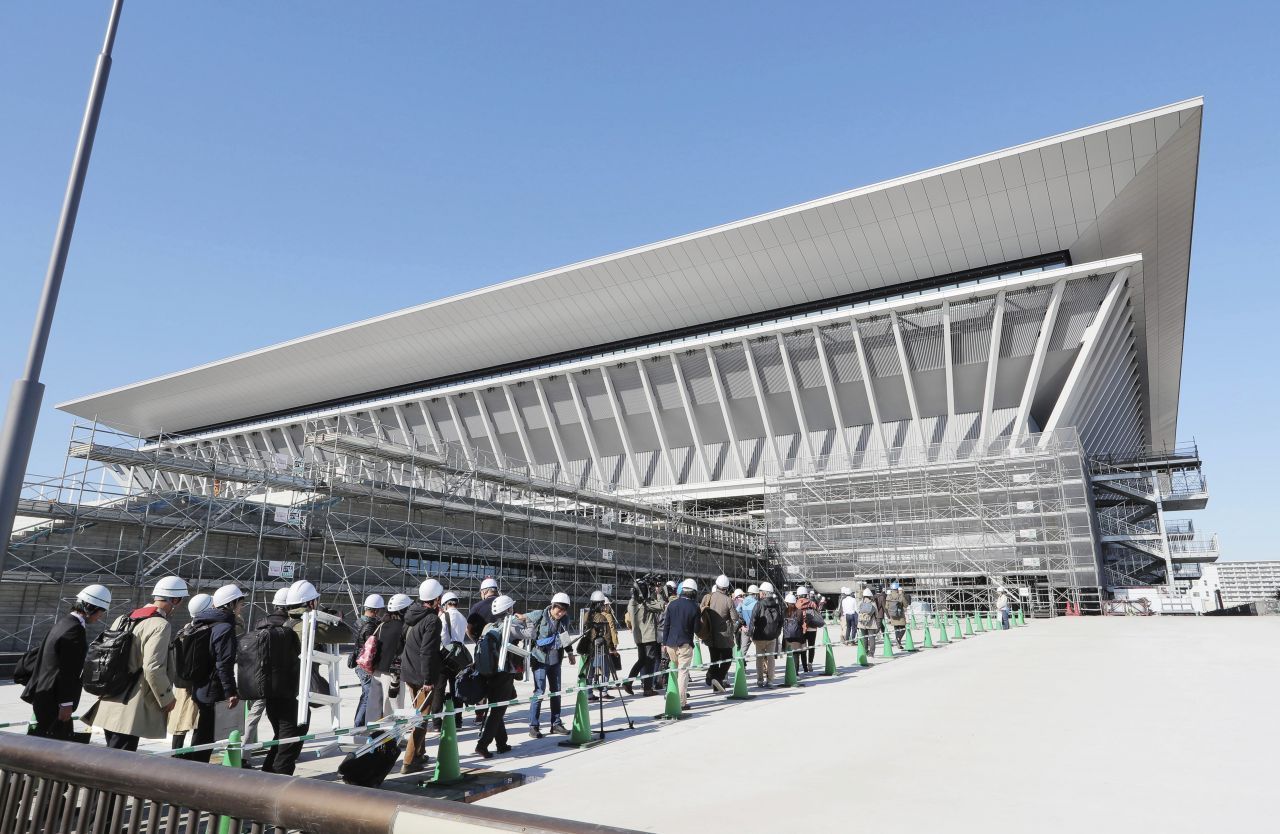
(599, 674)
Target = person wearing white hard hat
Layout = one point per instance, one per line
(268, 671)
(679, 627)
(374, 607)
(481, 611)
(766, 629)
(744, 611)
(385, 692)
(598, 645)
(208, 662)
(720, 623)
(184, 717)
(457, 657)
(53, 669)
(896, 603)
(811, 619)
(869, 620)
(546, 630)
(257, 707)
(421, 669)
(849, 615)
(497, 679)
(140, 712)
(1002, 605)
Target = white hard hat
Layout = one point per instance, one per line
(597, 596)
(227, 594)
(280, 600)
(671, 583)
(171, 587)
(489, 582)
(753, 589)
(302, 592)
(375, 601)
(688, 585)
(448, 598)
(399, 602)
(561, 599)
(846, 591)
(802, 591)
(766, 588)
(737, 592)
(96, 595)
(866, 592)
(430, 589)
(502, 605)
(722, 582)
(789, 599)
(199, 603)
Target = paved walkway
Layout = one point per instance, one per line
(1162, 724)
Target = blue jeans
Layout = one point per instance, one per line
(362, 706)
(544, 675)
(1004, 618)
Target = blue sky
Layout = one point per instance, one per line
(265, 170)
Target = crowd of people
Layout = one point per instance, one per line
(196, 684)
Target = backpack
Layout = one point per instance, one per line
(769, 622)
(25, 669)
(812, 618)
(368, 654)
(263, 667)
(896, 610)
(793, 629)
(468, 687)
(191, 656)
(867, 619)
(106, 665)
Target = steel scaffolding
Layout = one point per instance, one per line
(350, 510)
(951, 522)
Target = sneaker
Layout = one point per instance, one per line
(504, 748)
(716, 685)
(534, 732)
(483, 753)
(558, 729)
(628, 688)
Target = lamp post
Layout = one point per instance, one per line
(24, 401)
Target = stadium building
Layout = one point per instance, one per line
(962, 378)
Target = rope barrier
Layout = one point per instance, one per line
(419, 718)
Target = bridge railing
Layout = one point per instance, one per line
(64, 788)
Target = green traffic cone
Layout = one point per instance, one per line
(697, 654)
(913, 620)
(942, 634)
(447, 769)
(1021, 618)
(580, 735)
(739, 677)
(908, 643)
(230, 758)
(862, 651)
(968, 627)
(790, 678)
(672, 705)
(888, 647)
(956, 635)
(829, 663)
(982, 626)
(928, 637)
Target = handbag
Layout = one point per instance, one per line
(368, 654)
(456, 658)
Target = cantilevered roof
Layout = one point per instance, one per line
(1122, 187)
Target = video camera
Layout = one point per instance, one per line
(645, 586)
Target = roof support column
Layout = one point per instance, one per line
(907, 380)
(461, 429)
(657, 421)
(592, 448)
(688, 410)
(553, 427)
(729, 424)
(430, 425)
(490, 428)
(872, 403)
(829, 381)
(521, 432)
(785, 356)
(946, 359)
(1070, 389)
(993, 365)
(1037, 364)
(764, 409)
(628, 448)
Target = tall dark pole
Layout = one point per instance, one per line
(24, 402)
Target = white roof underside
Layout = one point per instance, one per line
(1126, 186)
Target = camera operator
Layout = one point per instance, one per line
(599, 643)
(643, 614)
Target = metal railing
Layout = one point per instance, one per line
(62, 788)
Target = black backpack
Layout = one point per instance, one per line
(106, 665)
(793, 628)
(370, 769)
(191, 656)
(25, 669)
(770, 620)
(265, 666)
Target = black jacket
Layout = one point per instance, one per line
(479, 616)
(681, 623)
(60, 664)
(766, 619)
(390, 644)
(223, 646)
(365, 626)
(420, 664)
(282, 677)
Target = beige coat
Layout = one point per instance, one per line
(141, 713)
(186, 715)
